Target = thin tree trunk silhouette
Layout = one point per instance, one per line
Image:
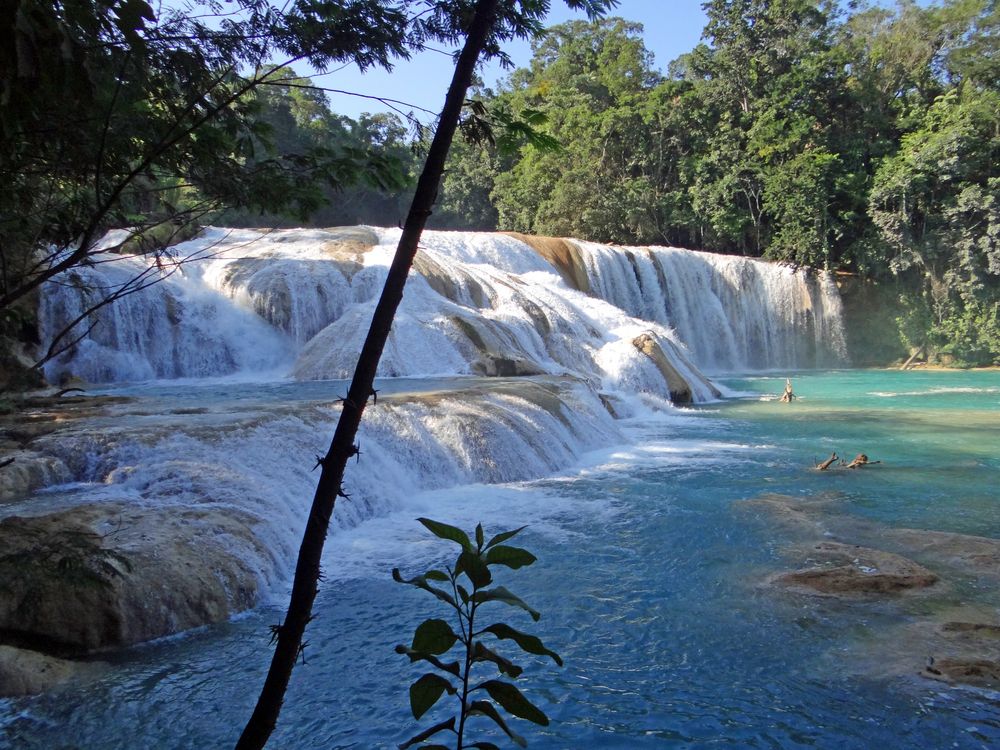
(289, 634)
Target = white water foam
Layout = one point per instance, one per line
(299, 301)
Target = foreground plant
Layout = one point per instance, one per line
(436, 640)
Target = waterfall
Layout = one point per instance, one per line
(734, 314)
(246, 458)
(298, 302)
(214, 475)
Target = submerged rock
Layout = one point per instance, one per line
(849, 570)
(984, 673)
(24, 672)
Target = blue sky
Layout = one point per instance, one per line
(672, 27)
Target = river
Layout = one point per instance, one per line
(657, 550)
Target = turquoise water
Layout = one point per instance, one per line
(652, 581)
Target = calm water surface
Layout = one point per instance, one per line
(651, 580)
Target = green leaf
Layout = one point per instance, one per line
(451, 533)
(512, 557)
(421, 583)
(417, 738)
(504, 536)
(450, 667)
(473, 566)
(463, 593)
(434, 637)
(485, 708)
(483, 654)
(514, 702)
(484, 746)
(436, 575)
(479, 535)
(528, 643)
(426, 691)
(501, 594)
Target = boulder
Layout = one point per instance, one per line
(983, 673)
(849, 570)
(102, 576)
(24, 672)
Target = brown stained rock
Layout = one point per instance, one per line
(563, 255)
(680, 389)
(36, 416)
(847, 570)
(28, 471)
(24, 672)
(977, 555)
(349, 243)
(982, 673)
(443, 280)
(102, 576)
(805, 514)
(979, 630)
(489, 362)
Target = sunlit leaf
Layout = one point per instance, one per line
(485, 708)
(504, 536)
(483, 654)
(417, 738)
(473, 566)
(451, 533)
(450, 667)
(434, 637)
(501, 594)
(421, 583)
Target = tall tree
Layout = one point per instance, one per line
(107, 111)
(485, 25)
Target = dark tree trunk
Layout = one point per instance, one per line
(307, 570)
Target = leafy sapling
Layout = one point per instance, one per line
(435, 641)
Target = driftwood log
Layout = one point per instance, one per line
(919, 353)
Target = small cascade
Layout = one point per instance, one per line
(178, 327)
(251, 463)
(734, 314)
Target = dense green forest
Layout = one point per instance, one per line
(853, 137)
(865, 140)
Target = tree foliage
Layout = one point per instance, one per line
(115, 117)
(861, 139)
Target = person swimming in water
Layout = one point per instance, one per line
(789, 394)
